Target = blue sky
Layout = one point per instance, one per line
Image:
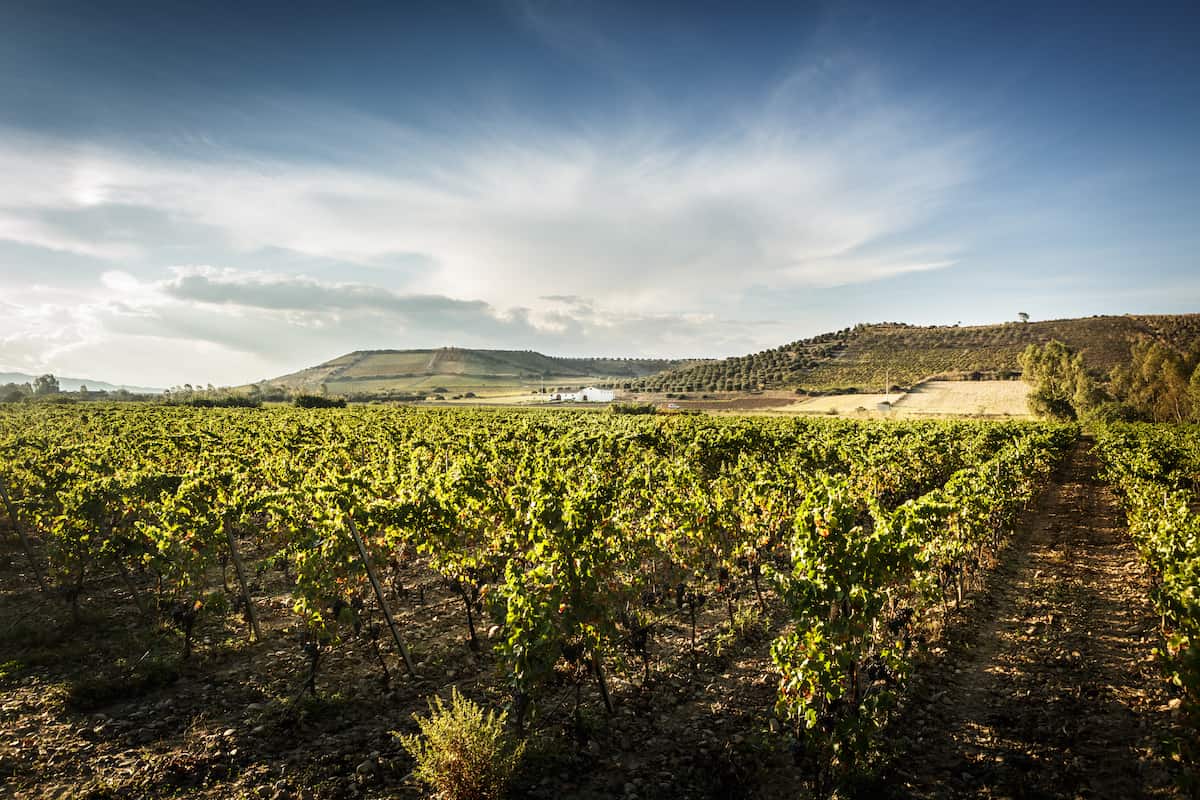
(206, 193)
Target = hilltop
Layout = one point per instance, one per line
(871, 356)
(454, 369)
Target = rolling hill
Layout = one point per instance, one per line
(862, 358)
(867, 357)
(73, 384)
(453, 369)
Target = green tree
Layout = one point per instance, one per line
(14, 392)
(1056, 375)
(1155, 383)
(45, 384)
(1194, 393)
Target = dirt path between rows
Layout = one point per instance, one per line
(1048, 686)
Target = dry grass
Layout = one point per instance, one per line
(932, 399)
(842, 404)
(983, 398)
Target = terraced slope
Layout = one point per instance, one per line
(868, 356)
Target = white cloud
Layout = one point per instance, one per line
(627, 214)
(206, 324)
(669, 226)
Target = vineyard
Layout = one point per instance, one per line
(202, 595)
(1156, 469)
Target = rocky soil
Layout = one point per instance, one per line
(1048, 687)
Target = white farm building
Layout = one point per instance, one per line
(589, 395)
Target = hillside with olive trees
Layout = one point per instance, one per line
(868, 357)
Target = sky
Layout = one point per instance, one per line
(198, 192)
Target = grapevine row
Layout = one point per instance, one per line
(1156, 471)
(565, 536)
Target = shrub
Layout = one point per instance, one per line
(1110, 412)
(316, 401)
(220, 401)
(462, 753)
(633, 408)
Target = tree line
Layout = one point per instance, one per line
(1158, 384)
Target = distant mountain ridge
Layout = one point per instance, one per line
(73, 384)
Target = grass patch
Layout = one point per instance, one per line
(749, 626)
(10, 669)
(322, 708)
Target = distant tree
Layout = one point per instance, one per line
(14, 392)
(1157, 384)
(1023, 316)
(45, 384)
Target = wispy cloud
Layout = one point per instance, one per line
(503, 234)
(627, 213)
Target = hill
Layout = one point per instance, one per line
(73, 384)
(862, 358)
(382, 372)
(870, 356)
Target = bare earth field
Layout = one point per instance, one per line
(982, 398)
(931, 399)
(996, 399)
(841, 404)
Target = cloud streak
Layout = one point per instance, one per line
(780, 193)
(502, 234)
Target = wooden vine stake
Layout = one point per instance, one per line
(241, 573)
(16, 523)
(387, 612)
